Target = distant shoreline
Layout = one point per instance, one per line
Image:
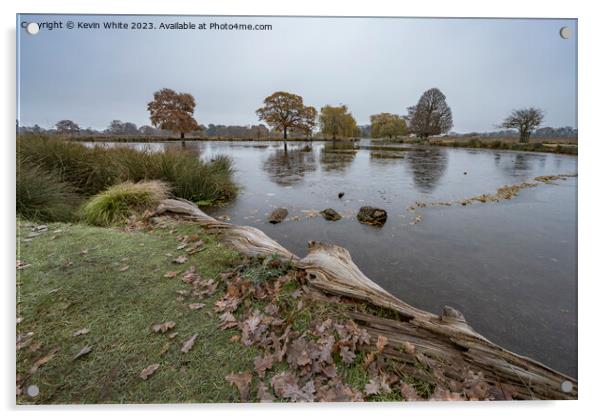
(546, 145)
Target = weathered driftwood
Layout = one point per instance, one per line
(449, 348)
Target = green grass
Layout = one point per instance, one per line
(119, 202)
(75, 281)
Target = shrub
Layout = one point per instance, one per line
(41, 196)
(119, 202)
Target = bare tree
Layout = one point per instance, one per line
(525, 121)
(431, 115)
(173, 111)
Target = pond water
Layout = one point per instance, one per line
(509, 267)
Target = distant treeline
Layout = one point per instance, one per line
(544, 132)
(129, 129)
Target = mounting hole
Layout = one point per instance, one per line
(566, 386)
(32, 28)
(565, 32)
(33, 390)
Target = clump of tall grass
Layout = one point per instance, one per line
(89, 170)
(42, 196)
(189, 178)
(119, 202)
(93, 169)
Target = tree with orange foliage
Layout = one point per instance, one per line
(285, 111)
(173, 111)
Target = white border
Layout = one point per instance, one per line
(589, 218)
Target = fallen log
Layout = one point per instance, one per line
(440, 349)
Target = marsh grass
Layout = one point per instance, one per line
(93, 169)
(41, 196)
(119, 202)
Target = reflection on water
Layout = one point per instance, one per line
(510, 267)
(289, 166)
(337, 156)
(427, 167)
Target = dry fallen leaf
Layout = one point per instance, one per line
(445, 395)
(264, 394)
(38, 363)
(21, 264)
(196, 306)
(188, 344)
(381, 342)
(297, 353)
(372, 387)
(171, 274)
(408, 348)
(262, 364)
(180, 260)
(163, 327)
(409, 393)
(84, 351)
(242, 382)
(227, 321)
(35, 346)
(148, 371)
(346, 355)
(125, 268)
(80, 332)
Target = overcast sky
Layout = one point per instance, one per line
(485, 67)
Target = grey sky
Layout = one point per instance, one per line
(485, 67)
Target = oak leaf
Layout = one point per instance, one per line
(242, 382)
(163, 327)
(189, 343)
(148, 371)
(346, 355)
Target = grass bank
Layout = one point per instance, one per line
(112, 283)
(553, 145)
(505, 144)
(91, 303)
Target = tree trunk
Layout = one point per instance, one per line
(524, 137)
(285, 137)
(439, 349)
